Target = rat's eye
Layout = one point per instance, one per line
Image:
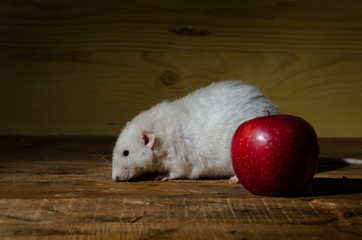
(125, 153)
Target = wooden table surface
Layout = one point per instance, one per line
(61, 188)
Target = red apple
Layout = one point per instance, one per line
(275, 155)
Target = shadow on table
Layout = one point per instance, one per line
(330, 164)
(333, 186)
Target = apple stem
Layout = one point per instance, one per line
(267, 111)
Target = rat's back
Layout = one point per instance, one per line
(214, 113)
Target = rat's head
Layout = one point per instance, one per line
(133, 153)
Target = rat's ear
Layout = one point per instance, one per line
(148, 139)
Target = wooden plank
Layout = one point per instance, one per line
(177, 218)
(263, 26)
(61, 188)
(70, 68)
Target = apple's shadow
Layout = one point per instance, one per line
(332, 186)
(330, 164)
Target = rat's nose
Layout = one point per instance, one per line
(117, 179)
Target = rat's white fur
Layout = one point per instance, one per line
(189, 137)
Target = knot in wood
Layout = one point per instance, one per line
(169, 78)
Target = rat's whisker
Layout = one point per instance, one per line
(108, 162)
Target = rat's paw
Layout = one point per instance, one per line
(234, 180)
(166, 179)
(163, 178)
(171, 175)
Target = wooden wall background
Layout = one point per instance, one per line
(75, 67)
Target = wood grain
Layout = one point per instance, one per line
(86, 68)
(61, 188)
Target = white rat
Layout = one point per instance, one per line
(189, 137)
